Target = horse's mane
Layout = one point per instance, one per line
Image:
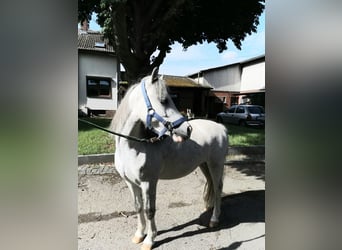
(122, 112)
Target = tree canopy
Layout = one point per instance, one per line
(142, 31)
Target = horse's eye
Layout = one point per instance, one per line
(164, 101)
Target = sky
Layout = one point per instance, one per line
(204, 56)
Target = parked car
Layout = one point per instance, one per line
(251, 115)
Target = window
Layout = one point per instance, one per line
(220, 99)
(234, 100)
(256, 110)
(99, 87)
(240, 110)
(100, 44)
(231, 110)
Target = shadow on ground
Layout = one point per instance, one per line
(256, 169)
(237, 244)
(246, 207)
(93, 217)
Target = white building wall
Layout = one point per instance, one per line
(202, 81)
(96, 65)
(224, 79)
(253, 77)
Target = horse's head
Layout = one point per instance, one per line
(157, 110)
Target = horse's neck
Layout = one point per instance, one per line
(137, 129)
(130, 126)
(123, 120)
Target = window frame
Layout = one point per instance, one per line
(97, 88)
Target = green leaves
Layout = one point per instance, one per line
(137, 28)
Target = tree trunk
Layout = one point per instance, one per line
(133, 53)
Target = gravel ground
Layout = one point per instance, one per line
(107, 220)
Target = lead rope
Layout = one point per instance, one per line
(133, 138)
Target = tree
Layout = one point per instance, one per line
(142, 31)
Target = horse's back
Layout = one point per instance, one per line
(208, 144)
(209, 132)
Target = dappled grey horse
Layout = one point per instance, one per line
(173, 147)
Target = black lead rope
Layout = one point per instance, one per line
(154, 139)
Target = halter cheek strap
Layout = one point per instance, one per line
(168, 126)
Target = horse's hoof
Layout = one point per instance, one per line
(213, 224)
(137, 239)
(146, 247)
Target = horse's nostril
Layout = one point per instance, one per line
(189, 130)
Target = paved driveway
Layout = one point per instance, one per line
(107, 220)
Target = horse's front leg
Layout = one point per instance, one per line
(149, 197)
(138, 203)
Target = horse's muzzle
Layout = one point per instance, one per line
(182, 133)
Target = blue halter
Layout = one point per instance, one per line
(151, 113)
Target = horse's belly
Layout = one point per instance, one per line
(168, 175)
(176, 169)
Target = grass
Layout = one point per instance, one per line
(94, 141)
(245, 136)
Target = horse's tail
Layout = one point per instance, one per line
(209, 190)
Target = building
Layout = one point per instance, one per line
(203, 94)
(188, 95)
(98, 74)
(238, 83)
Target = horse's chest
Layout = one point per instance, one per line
(132, 164)
(125, 157)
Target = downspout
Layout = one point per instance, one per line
(118, 78)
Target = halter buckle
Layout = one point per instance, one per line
(151, 111)
(168, 125)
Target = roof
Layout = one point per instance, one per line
(183, 81)
(87, 41)
(248, 61)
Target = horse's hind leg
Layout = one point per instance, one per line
(138, 203)
(216, 173)
(208, 190)
(213, 173)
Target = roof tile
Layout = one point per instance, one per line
(86, 41)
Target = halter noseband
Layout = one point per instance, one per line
(151, 113)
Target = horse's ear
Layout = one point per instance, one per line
(154, 75)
